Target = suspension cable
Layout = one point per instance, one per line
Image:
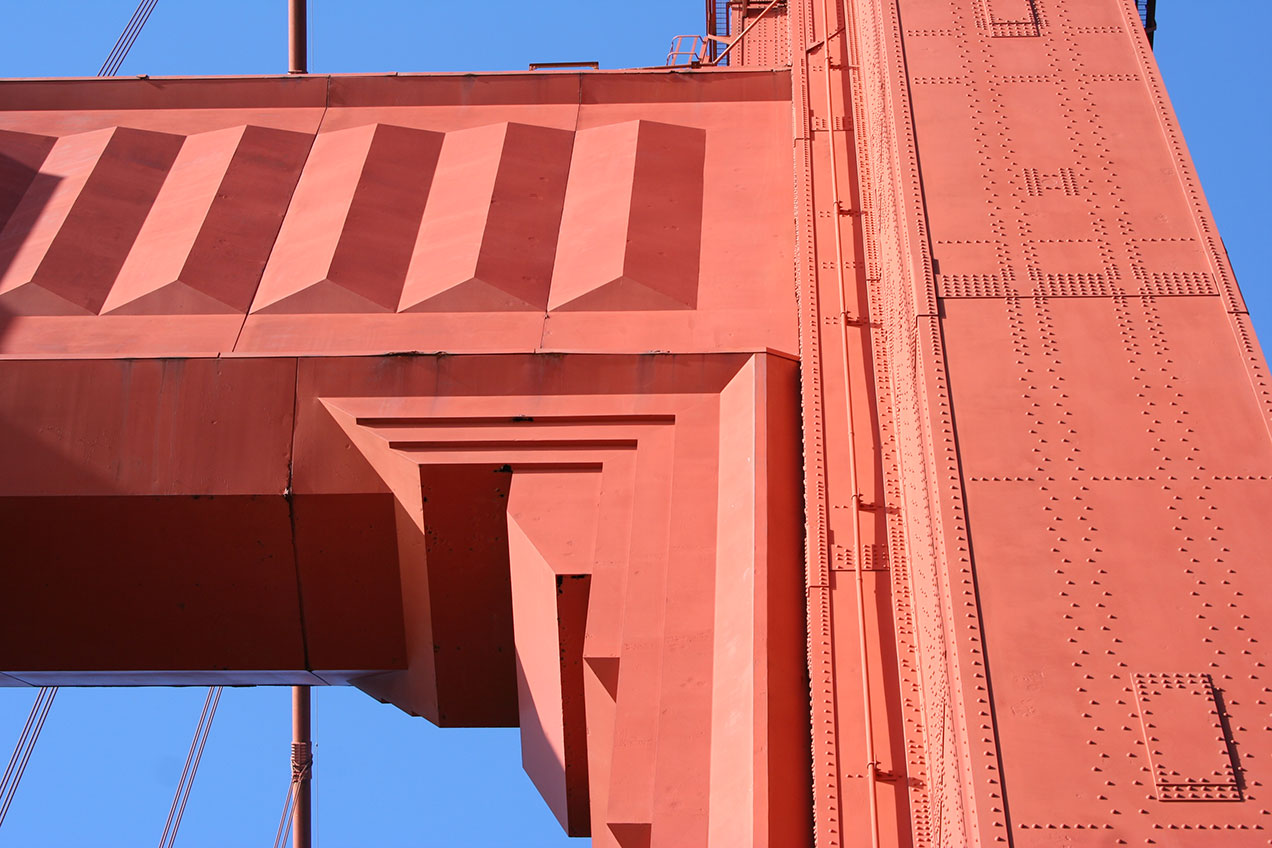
(302, 761)
(117, 54)
(26, 744)
(126, 39)
(182, 796)
(285, 821)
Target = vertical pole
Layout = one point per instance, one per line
(297, 42)
(302, 768)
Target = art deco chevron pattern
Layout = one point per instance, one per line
(375, 218)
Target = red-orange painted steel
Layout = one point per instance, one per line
(1066, 430)
(486, 394)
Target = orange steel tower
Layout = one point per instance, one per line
(855, 437)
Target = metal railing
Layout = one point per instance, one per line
(699, 50)
(1148, 14)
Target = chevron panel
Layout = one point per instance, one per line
(63, 248)
(204, 244)
(489, 234)
(346, 241)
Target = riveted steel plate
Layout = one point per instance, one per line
(1187, 743)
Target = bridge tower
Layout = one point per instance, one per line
(851, 436)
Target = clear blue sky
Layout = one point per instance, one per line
(109, 759)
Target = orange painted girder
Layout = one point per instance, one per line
(599, 549)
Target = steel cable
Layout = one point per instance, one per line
(126, 39)
(119, 43)
(284, 823)
(182, 796)
(25, 746)
(299, 773)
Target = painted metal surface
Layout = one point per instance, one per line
(496, 383)
(524, 203)
(1034, 293)
(483, 540)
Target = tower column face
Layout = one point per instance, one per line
(1017, 322)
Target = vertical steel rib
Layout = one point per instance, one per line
(858, 559)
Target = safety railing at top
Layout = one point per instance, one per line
(712, 49)
(687, 50)
(1148, 14)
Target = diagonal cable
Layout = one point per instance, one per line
(182, 796)
(284, 823)
(302, 766)
(126, 39)
(26, 745)
(120, 51)
(119, 43)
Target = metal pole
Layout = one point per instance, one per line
(297, 42)
(302, 768)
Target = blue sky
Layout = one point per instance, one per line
(109, 759)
